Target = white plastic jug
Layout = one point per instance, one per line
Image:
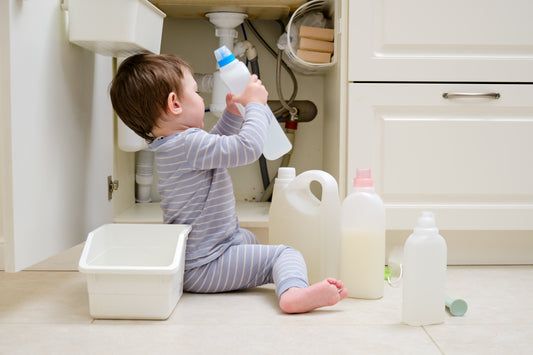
(424, 274)
(235, 75)
(362, 258)
(305, 222)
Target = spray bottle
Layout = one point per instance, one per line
(424, 274)
(363, 239)
(235, 75)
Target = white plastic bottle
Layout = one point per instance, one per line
(363, 239)
(235, 75)
(311, 225)
(424, 274)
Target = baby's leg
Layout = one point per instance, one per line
(324, 293)
(245, 237)
(297, 297)
(241, 266)
(249, 265)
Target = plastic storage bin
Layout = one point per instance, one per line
(134, 271)
(116, 28)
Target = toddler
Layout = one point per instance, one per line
(157, 97)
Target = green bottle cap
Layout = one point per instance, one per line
(456, 307)
(388, 274)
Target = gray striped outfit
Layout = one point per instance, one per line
(196, 189)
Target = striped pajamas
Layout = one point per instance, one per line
(247, 265)
(196, 189)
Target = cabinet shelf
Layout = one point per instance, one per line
(251, 214)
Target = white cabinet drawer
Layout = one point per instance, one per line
(451, 41)
(468, 159)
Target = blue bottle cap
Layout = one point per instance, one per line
(224, 56)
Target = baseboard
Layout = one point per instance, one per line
(65, 261)
(479, 247)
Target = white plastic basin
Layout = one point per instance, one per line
(134, 271)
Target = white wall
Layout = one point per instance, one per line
(57, 133)
(5, 112)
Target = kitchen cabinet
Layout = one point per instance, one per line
(439, 106)
(452, 41)
(467, 157)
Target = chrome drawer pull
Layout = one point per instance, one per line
(453, 95)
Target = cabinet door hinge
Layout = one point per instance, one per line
(112, 185)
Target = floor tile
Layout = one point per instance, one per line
(483, 339)
(43, 297)
(48, 313)
(495, 295)
(214, 339)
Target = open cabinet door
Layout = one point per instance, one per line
(57, 134)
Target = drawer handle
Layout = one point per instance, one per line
(453, 95)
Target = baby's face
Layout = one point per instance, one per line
(192, 103)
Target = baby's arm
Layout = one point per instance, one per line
(210, 151)
(254, 92)
(231, 120)
(228, 124)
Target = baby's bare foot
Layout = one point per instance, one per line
(324, 293)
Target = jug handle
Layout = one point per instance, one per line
(330, 189)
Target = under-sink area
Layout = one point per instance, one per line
(256, 9)
(187, 19)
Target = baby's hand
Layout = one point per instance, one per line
(254, 92)
(231, 106)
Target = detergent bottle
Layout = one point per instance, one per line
(363, 239)
(235, 75)
(305, 222)
(424, 274)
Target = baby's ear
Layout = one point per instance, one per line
(173, 104)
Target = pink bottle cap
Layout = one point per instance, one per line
(363, 178)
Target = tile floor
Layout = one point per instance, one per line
(47, 313)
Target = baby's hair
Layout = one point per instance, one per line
(140, 89)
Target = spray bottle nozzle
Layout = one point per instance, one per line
(224, 56)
